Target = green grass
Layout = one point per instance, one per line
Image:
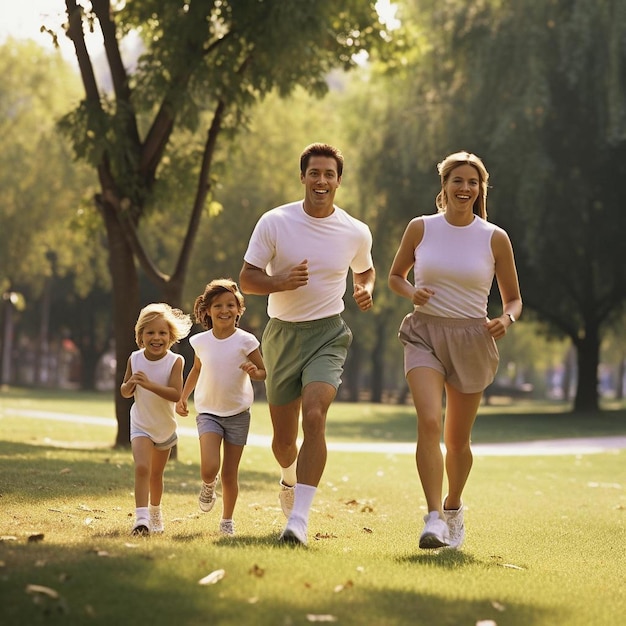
(545, 544)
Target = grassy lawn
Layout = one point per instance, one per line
(545, 535)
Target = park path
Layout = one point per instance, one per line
(547, 447)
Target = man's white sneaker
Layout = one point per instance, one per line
(454, 519)
(156, 520)
(435, 533)
(207, 497)
(286, 497)
(294, 532)
(227, 527)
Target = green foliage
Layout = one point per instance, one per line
(42, 189)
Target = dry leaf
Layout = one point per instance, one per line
(257, 571)
(65, 470)
(35, 538)
(213, 577)
(347, 585)
(497, 606)
(367, 530)
(40, 589)
(311, 617)
(325, 536)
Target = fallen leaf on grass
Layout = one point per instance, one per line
(99, 552)
(213, 577)
(367, 530)
(347, 585)
(497, 606)
(257, 571)
(35, 538)
(311, 617)
(40, 589)
(65, 470)
(319, 536)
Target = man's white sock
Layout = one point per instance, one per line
(303, 500)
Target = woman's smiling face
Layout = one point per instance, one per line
(462, 188)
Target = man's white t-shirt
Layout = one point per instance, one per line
(223, 388)
(285, 236)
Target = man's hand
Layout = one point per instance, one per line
(298, 276)
(362, 297)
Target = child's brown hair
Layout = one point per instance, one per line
(216, 287)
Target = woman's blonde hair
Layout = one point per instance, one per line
(179, 323)
(453, 161)
(202, 305)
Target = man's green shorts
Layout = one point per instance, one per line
(298, 353)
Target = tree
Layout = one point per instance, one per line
(41, 194)
(539, 91)
(201, 61)
(554, 108)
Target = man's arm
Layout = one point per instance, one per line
(364, 288)
(256, 281)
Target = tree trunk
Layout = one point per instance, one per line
(125, 312)
(588, 355)
(619, 385)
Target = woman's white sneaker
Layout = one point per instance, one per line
(454, 519)
(435, 533)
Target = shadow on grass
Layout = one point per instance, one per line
(444, 559)
(141, 586)
(43, 472)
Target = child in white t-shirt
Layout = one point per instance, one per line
(226, 358)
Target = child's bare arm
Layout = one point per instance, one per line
(190, 385)
(254, 367)
(127, 388)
